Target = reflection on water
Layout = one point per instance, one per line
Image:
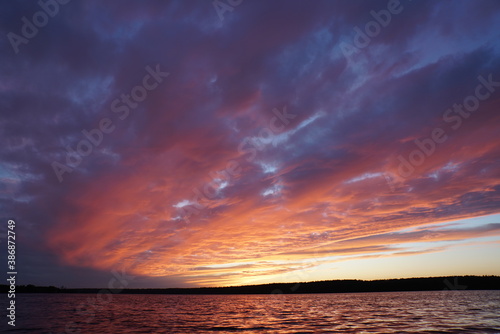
(388, 312)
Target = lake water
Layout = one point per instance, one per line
(388, 312)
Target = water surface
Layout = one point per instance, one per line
(387, 312)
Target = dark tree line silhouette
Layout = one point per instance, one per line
(332, 286)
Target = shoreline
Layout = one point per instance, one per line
(450, 283)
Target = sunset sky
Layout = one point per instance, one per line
(202, 143)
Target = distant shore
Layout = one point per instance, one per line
(332, 286)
